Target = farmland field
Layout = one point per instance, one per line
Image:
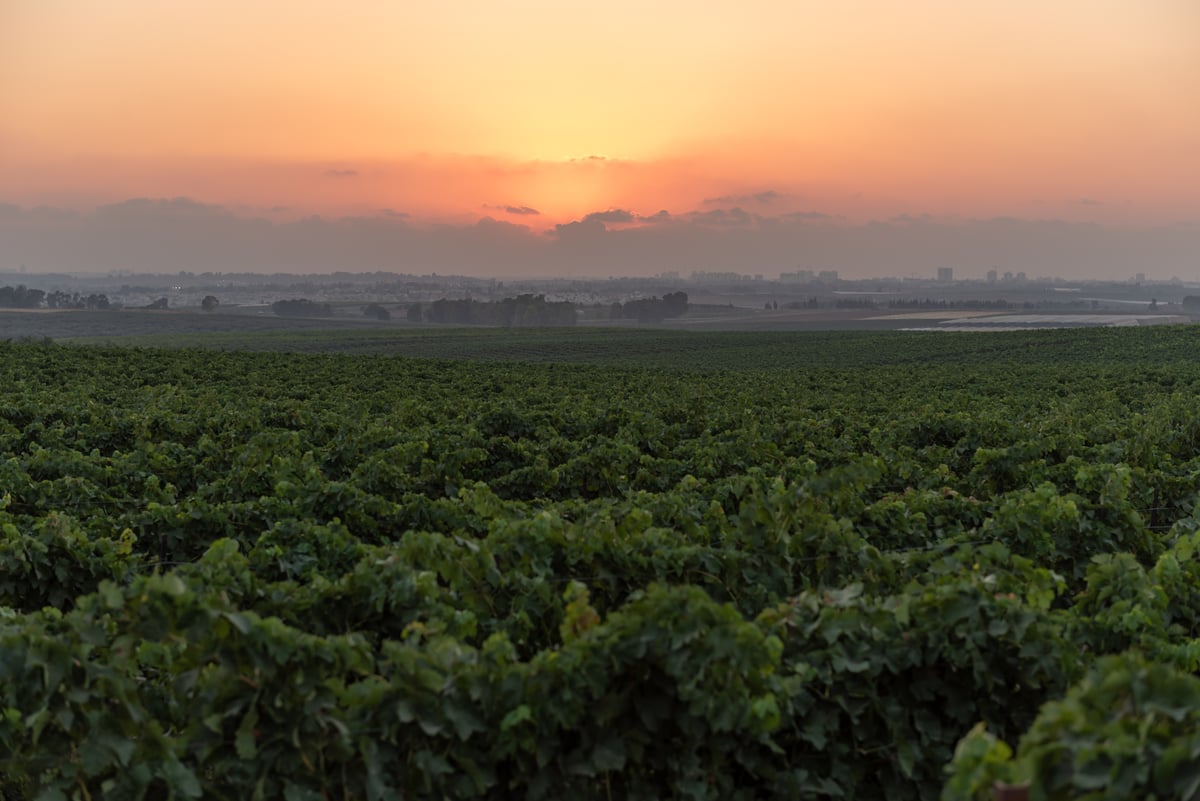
(702, 350)
(615, 564)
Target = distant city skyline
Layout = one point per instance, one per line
(629, 137)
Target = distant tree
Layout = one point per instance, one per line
(63, 300)
(445, 310)
(158, 305)
(21, 297)
(33, 298)
(377, 312)
(519, 311)
(675, 304)
(210, 303)
(652, 310)
(414, 313)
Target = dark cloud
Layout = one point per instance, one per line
(509, 230)
(761, 198)
(521, 210)
(662, 215)
(587, 227)
(341, 173)
(611, 216)
(396, 215)
(50, 215)
(796, 219)
(734, 216)
(142, 209)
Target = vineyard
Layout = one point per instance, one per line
(815, 567)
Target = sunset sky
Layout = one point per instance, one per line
(540, 113)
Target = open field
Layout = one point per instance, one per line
(718, 338)
(175, 327)
(664, 348)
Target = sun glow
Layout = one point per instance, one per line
(466, 109)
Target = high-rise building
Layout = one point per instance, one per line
(945, 275)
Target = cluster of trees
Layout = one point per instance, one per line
(22, 297)
(377, 312)
(301, 307)
(74, 300)
(519, 312)
(651, 310)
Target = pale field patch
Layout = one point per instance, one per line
(934, 315)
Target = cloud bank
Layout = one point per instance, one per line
(168, 235)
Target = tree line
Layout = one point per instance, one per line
(521, 311)
(22, 297)
(651, 310)
(534, 310)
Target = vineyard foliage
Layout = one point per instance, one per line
(245, 575)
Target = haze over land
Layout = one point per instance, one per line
(537, 138)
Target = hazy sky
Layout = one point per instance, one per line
(540, 113)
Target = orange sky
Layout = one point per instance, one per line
(1076, 109)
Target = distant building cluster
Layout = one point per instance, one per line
(810, 276)
(722, 277)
